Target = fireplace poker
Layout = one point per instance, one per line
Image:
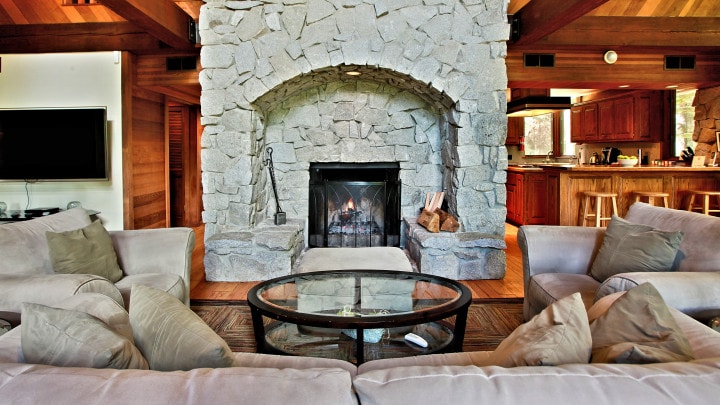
(279, 214)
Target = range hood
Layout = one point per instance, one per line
(531, 106)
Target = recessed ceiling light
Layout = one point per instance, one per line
(353, 73)
(624, 86)
(672, 86)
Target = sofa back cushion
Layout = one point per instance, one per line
(701, 234)
(24, 247)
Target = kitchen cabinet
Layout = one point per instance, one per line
(584, 123)
(515, 131)
(527, 202)
(632, 117)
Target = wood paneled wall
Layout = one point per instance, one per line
(145, 154)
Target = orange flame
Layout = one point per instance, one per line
(351, 204)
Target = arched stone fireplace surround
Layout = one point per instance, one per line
(428, 92)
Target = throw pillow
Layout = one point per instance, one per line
(629, 247)
(103, 308)
(638, 328)
(67, 338)
(560, 334)
(171, 336)
(84, 251)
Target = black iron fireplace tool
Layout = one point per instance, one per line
(279, 214)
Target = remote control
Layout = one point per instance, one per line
(411, 337)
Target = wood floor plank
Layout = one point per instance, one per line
(510, 287)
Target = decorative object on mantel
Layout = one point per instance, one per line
(435, 219)
(280, 217)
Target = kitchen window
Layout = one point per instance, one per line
(549, 132)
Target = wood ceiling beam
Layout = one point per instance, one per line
(161, 18)
(77, 37)
(540, 18)
(637, 32)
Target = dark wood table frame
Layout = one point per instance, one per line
(458, 308)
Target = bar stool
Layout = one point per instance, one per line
(705, 207)
(651, 196)
(597, 196)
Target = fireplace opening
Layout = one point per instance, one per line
(354, 205)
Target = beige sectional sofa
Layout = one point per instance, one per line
(557, 261)
(159, 258)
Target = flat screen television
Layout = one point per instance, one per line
(53, 144)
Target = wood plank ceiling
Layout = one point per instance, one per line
(642, 32)
(577, 32)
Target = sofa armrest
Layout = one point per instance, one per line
(161, 250)
(693, 293)
(558, 249)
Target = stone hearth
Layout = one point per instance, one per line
(428, 92)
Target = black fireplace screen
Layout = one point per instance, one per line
(354, 205)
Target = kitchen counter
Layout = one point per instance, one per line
(566, 183)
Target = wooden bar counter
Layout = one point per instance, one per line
(676, 181)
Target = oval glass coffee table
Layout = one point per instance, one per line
(358, 315)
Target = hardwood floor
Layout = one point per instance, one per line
(509, 287)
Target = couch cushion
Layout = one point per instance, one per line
(51, 289)
(638, 328)
(629, 247)
(171, 336)
(87, 250)
(23, 245)
(170, 283)
(103, 308)
(560, 334)
(546, 288)
(67, 338)
(701, 239)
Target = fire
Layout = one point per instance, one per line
(350, 205)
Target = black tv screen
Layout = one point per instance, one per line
(53, 144)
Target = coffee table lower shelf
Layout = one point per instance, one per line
(291, 339)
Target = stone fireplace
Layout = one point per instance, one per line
(417, 84)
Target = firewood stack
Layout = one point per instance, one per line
(433, 218)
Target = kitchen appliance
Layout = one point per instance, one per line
(610, 155)
(595, 159)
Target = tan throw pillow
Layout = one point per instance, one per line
(67, 338)
(171, 336)
(560, 334)
(84, 251)
(638, 328)
(629, 247)
(103, 308)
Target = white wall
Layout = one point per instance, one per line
(68, 80)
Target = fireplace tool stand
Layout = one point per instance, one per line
(279, 214)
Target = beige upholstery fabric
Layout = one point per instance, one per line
(638, 328)
(629, 247)
(50, 289)
(560, 334)
(68, 338)
(36, 384)
(87, 250)
(23, 245)
(172, 284)
(103, 308)
(171, 336)
(364, 258)
(546, 288)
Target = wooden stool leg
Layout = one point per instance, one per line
(637, 198)
(692, 202)
(665, 202)
(598, 210)
(586, 208)
(614, 206)
(706, 204)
